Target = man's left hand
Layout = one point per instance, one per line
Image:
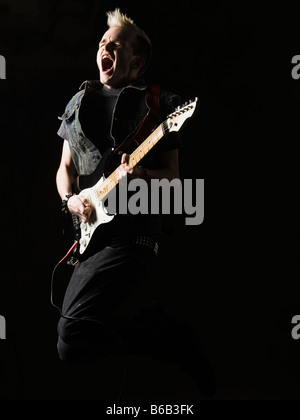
(125, 170)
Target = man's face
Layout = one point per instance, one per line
(116, 61)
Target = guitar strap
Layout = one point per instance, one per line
(152, 118)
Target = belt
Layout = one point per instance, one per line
(141, 240)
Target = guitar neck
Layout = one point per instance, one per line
(147, 145)
(108, 185)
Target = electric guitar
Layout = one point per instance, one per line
(98, 193)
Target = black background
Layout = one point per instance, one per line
(235, 277)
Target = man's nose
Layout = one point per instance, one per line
(108, 47)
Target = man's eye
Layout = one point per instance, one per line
(114, 44)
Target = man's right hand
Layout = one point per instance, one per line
(80, 206)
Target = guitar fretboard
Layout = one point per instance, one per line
(107, 186)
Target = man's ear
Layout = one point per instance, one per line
(138, 63)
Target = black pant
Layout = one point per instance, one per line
(98, 287)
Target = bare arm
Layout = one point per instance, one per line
(65, 179)
(65, 176)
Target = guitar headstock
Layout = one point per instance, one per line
(176, 120)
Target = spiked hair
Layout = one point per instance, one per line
(142, 45)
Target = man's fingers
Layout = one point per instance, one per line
(125, 169)
(85, 214)
(81, 207)
(85, 201)
(125, 159)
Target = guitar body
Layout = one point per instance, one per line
(98, 217)
(74, 228)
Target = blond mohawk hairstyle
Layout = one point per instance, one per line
(116, 18)
(143, 46)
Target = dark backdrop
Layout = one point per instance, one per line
(235, 277)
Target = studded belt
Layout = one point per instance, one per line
(141, 240)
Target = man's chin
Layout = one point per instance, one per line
(104, 78)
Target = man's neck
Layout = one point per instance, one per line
(121, 85)
(109, 91)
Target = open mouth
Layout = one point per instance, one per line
(107, 64)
